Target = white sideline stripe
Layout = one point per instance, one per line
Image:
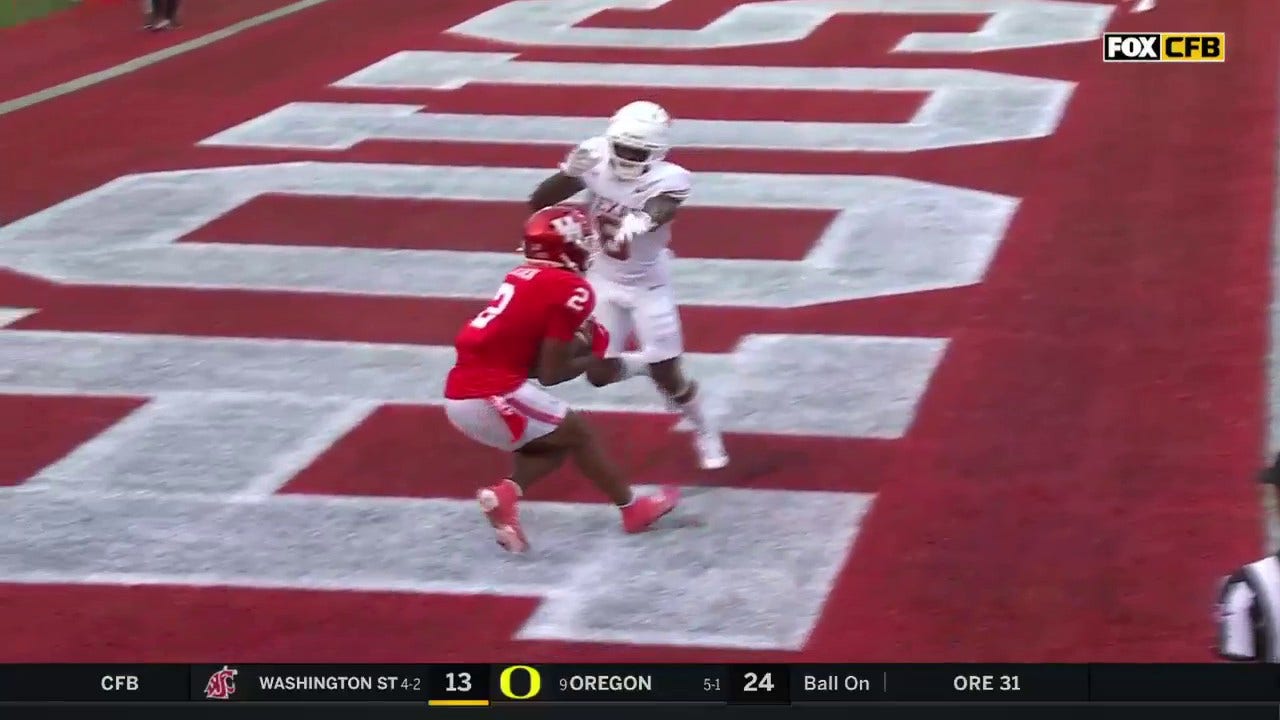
(150, 59)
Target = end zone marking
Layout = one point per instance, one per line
(11, 315)
(150, 59)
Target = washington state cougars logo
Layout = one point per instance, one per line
(221, 685)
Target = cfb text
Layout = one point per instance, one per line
(120, 683)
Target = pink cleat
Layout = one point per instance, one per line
(499, 505)
(644, 511)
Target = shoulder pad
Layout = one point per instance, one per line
(667, 179)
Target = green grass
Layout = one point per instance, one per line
(15, 12)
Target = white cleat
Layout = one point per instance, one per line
(711, 453)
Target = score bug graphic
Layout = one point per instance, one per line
(460, 686)
(608, 683)
(222, 684)
(524, 682)
(520, 682)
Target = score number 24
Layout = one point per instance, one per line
(752, 682)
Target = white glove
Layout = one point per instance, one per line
(578, 161)
(636, 223)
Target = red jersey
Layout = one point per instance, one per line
(498, 348)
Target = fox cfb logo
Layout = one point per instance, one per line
(1164, 47)
(520, 682)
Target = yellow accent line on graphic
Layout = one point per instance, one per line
(458, 703)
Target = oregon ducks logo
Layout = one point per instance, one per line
(505, 683)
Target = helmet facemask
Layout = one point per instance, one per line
(628, 162)
(634, 145)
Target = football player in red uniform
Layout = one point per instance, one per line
(536, 327)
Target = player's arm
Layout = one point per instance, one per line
(661, 209)
(567, 181)
(658, 211)
(574, 357)
(669, 195)
(559, 360)
(554, 190)
(556, 363)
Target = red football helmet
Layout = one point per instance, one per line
(560, 234)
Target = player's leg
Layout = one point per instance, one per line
(514, 423)
(500, 501)
(638, 512)
(613, 311)
(540, 431)
(657, 320)
(533, 462)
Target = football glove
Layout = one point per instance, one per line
(633, 225)
(578, 161)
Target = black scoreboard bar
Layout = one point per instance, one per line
(761, 685)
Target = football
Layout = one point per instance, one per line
(605, 228)
(615, 249)
(579, 346)
(581, 343)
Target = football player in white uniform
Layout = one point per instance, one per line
(633, 193)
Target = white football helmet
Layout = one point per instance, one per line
(637, 137)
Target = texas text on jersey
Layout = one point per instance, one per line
(643, 260)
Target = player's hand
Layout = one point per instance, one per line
(599, 339)
(634, 224)
(578, 161)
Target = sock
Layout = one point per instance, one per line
(691, 408)
(632, 366)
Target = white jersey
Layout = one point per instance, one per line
(1249, 613)
(609, 199)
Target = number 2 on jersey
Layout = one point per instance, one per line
(576, 302)
(506, 291)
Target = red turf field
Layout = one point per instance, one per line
(1075, 479)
